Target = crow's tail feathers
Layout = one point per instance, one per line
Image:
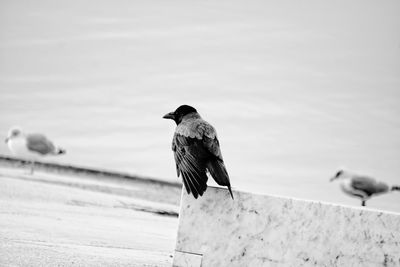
(230, 191)
(218, 172)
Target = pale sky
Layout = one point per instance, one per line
(295, 89)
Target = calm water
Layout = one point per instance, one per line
(295, 91)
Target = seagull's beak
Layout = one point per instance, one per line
(332, 179)
(170, 115)
(6, 140)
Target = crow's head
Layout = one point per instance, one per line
(179, 113)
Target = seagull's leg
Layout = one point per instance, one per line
(32, 166)
(363, 203)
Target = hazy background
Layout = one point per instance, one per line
(296, 90)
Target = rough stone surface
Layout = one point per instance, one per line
(257, 230)
(183, 259)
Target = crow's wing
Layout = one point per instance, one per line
(369, 185)
(196, 150)
(215, 164)
(190, 158)
(39, 144)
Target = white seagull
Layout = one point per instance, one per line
(30, 146)
(360, 186)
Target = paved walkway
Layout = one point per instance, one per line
(51, 220)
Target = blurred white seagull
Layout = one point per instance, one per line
(30, 146)
(360, 186)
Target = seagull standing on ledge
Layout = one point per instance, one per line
(196, 150)
(360, 186)
(30, 146)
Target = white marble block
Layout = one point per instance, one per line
(258, 230)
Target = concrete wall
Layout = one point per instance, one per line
(257, 230)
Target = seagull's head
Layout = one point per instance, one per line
(179, 113)
(341, 174)
(13, 133)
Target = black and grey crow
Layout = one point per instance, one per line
(196, 150)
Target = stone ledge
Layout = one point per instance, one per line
(260, 230)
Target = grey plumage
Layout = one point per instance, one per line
(368, 185)
(40, 144)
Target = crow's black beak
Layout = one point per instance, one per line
(170, 115)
